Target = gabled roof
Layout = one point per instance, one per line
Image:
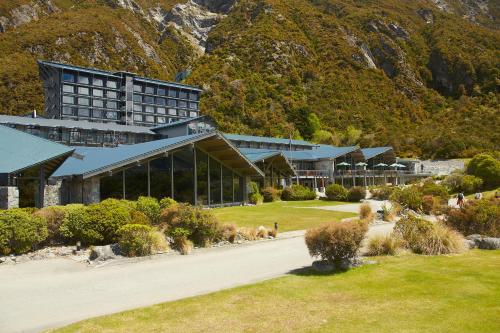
(265, 139)
(375, 151)
(96, 161)
(269, 156)
(20, 151)
(320, 152)
(180, 122)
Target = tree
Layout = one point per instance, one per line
(352, 135)
(487, 168)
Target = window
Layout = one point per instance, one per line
(160, 101)
(182, 113)
(194, 96)
(96, 113)
(68, 99)
(150, 109)
(97, 92)
(97, 81)
(111, 105)
(111, 94)
(150, 90)
(111, 115)
(137, 88)
(138, 98)
(68, 77)
(161, 111)
(137, 117)
(150, 119)
(67, 110)
(83, 90)
(172, 102)
(83, 79)
(193, 106)
(182, 104)
(83, 112)
(98, 103)
(161, 120)
(193, 114)
(172, 93)
(161, 91)
(138, 107)
(69, 89)
(83, 101)
(183, 94)
(172, 112)
(149, 99)
(111, 84)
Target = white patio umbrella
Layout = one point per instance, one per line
(343, 164)
(397, 165)
(380, 165)
(361, 164)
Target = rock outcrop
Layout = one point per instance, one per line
(26, 13)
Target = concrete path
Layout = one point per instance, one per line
(42, 294)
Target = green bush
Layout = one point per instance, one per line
(20, 231)
(180, 240)
(297, 192)
(408, 197)
(270, 194)
(150, 207)
(436, 190)
(382, 192)
(76, 225)
(463, 183)
(476, 217)
(138, 240)
(53, 217)
(356, 194)
(253, 187)
(336, 242)
(336, 192)
(137, 217)
(487, 168)
(255, 198)
(167, 202)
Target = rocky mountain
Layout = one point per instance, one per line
(421, 75)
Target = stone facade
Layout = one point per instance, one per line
(9, 197)
(52, 195)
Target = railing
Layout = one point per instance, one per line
(357, 173)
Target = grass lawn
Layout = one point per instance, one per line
(289, 214)
(398, 294)
(486, 194)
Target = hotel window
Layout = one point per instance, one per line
(160, 101)
(68, 99)
(111, 84)
(161, 120)
(172, 112)
(69, 89)
(98, 103)
(172, 93)
(111, 105)
(97, 92)
(183, 94)
(83, 112)
(193, 106)
(74, 135)
(83, 101)
(111, 94)
(96, 113)
(150, 109)
(161, 111)
(137, 117)
(182, 113)
(172, 102)
(149, 99)
(67, 110)
(150, 90)
(68, 77)
(83, 79)
(138, 107)
(193, 114)
(137, 98)
(161, 91)
(150, 119)
(137, 88)
(193, 96)
(97, 81)
(182, 104)
(83, 90)
(111, 115)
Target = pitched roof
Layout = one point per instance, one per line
(320, 152)
(177, 123)
(375, 151)
(265, 139)
(20, 151)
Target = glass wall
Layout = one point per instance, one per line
(112, 186)
(215, 182)
(202, 177)
(160, 173)
(238, 193)
(184, 175)
(136, 182)
(227, 185)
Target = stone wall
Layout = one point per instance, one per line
(52, 195)
(9, 197)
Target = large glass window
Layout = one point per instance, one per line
(172, 112)
(68, 100)
(97, 81)
(160, 173)
(111, 115)
(150, 90)
(67, 110)
(202, 177)
(238, 193)
(194, 96)
(83, 112)
(161, 120)
(161, 111)
(150, 119)
(111, 94)
(193, 114)
(161, 91)
(111, 105)
(68, 77)
(136, 182)
(83, 90)
(96, 113)
(98, 92)
(183, 175)
(193, 105)
(111, 84)
(83, 101)
(137, 88)
(183, 94)
(111, 186)
(68, 88)
(215, 182)
(161, 101)
(138, 107)
(227, 184)
(83, 79)
(172, 102)
(182, 113)
(149, 99)
(138, 98)
(150, 109)
(172, 93)
(98, 103)
(182, 104)
(137, 117)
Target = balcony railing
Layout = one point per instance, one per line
(357, 173)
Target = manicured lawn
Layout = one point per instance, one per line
(288, 214)
(398, 294)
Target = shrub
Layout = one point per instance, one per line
(365, 213)
(262, 232)
(356, 193)
(476, 217)
(388, 213)
(382, 192)
(431, 204)
(436, 190)
(485, 167)
(167, 203)
(336, 192)
(53, 217)
(137, 217)
(180, 240)
(253, 187)
(136, 240)
(463, 183)
(76, 225)
(383, 245)
(228, 232)
(159, 243)
(249, 234)
(201, 224)
(150, 207)
(336, 242)
(408, 197)
(255, 198)
(424, 237)
(297, 192)
(270, 194)
(20, 231)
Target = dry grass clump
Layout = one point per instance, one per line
(228, 232)
(366, 213)
(388, 213)
(386, 245)
(262, 232)
(272, 232)
(249, 234)
(159, 243)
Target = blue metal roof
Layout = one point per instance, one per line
(256, 155)
(265, 139)
(372, 152)
(320, 152)
(20, 150)
(177, 123)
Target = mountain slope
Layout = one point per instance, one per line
(423, 76)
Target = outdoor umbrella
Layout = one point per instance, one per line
(397, 165)
(361, 164)
(380, 165)
(343, 164)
